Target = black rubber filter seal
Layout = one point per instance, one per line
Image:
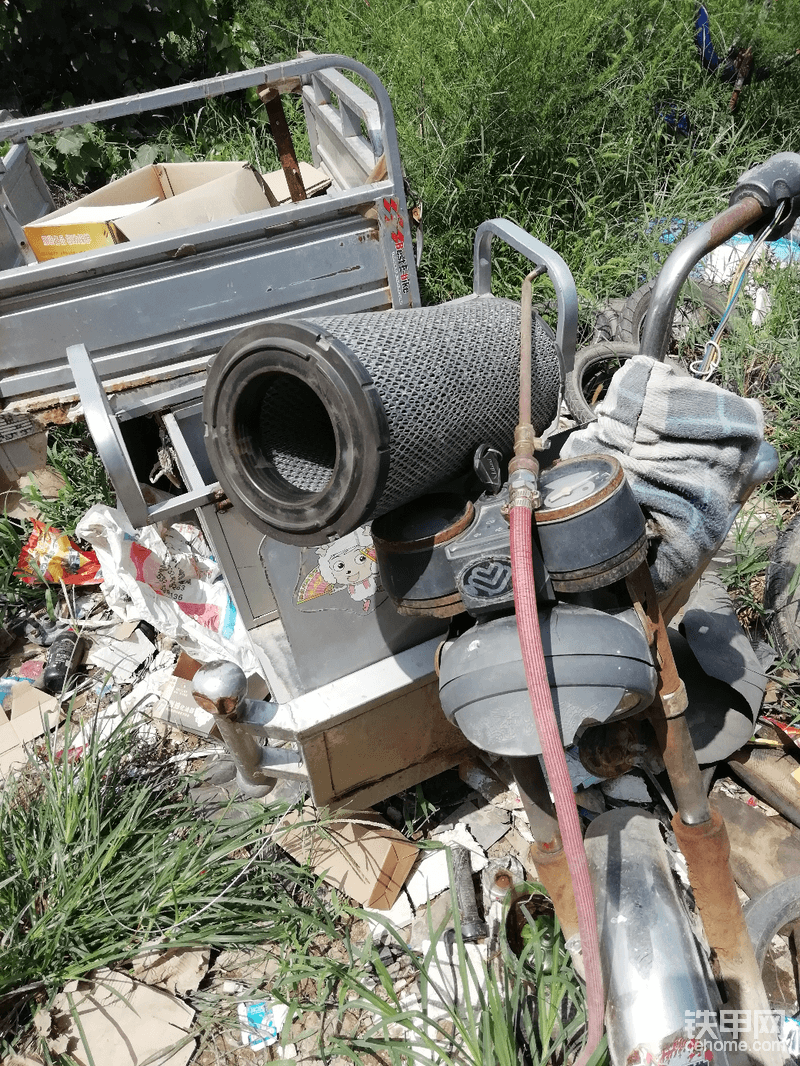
(331, 460)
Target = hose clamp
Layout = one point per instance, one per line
(523, 490)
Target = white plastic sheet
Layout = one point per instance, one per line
(168, 577)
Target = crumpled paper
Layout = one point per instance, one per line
(167, 576)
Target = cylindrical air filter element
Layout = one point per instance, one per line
(315, 426)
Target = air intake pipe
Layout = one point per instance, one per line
(316, 426)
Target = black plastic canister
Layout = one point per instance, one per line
(65, 654)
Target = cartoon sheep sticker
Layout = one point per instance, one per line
(347, 563)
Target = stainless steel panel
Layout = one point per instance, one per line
(154, 315)
(234, 542)
(333, 635)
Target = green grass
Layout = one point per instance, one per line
(72, 454)
(532, 998)
(107, 855)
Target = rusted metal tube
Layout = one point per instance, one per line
(547, 854)
(680, 760)
(699, 830)
(536, 800)
(667, 710)
(658, 324)
(283, 140)
(707, 851)
(553, 872)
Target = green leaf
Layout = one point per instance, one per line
(70, 142)
(146, 155)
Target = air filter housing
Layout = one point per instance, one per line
(315, 426)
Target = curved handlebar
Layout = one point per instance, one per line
(756, 197)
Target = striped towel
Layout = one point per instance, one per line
(686, 447)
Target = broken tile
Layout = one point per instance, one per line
(489, 824)
(481, 779)
(399, 916)
(513, 843)
(508, 800)
(429, 877)
(461, 813)
(429, 919)
(629, 788)
(461, 836)
(522, 826)
(445, 991)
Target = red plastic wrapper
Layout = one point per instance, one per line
(50, 555)
(791, 732)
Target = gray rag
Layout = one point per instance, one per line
(687, 448)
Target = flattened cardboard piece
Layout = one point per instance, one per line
(368, 862)
(122, 1022)
(179, 970)
(315, 181)
(177, 707)
(27, 699)
(45, 479)
(8, 737)
(28, 706)
(229, 196)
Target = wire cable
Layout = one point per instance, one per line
(706, 367)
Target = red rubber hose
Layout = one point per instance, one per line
(555, 763)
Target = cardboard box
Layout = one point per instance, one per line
(147, 203)
(369, 862)
(177, 705)
(32, 711)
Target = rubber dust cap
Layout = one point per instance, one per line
(295, 432)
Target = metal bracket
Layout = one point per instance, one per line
(107, 437)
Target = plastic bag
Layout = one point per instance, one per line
(50, 555)
(167, 576)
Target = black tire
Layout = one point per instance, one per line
(700, 308)
(782, 592)
(594, 367)
(767, 914)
